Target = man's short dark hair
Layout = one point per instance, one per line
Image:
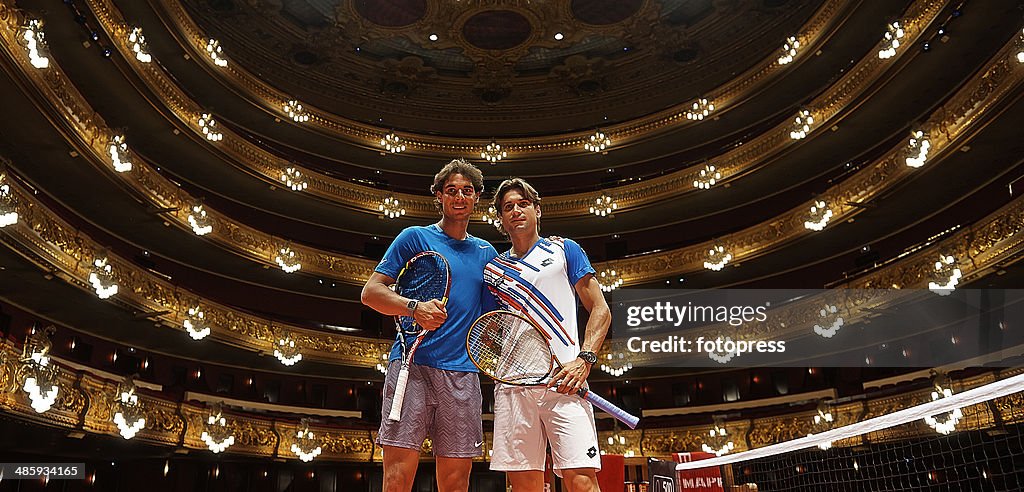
(458, 166)
(524, 188)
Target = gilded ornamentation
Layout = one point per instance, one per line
(1010, 408)
(257, 436)
(347, 443)
(758, 240)
(779, 430)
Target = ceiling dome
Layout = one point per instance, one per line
(502, 67)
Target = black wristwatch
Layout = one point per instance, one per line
(588, 357)
(412, 307)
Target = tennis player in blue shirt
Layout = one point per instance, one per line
(442, 398)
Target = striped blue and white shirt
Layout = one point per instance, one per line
(541, 286)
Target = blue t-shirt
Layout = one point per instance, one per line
(445, 348)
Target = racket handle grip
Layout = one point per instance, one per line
(399, 397)
(610, 408)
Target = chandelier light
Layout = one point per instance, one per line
(609, 280)
(917, 148)
(306, 446)
(701, 109)
(8, 209)
(1020, 54)
(392, 143)
(216, 433)
(722, 357)
(801, 124)
(138, 42)
(941, 388)
(119, 154)
(42, 380)
(829, 321)
(35, 43)
(200, 222)
(493, 153)
(216, 53)
(492, 217)
(946, 276)
(823, 421)
(287, 260)
(128, 412)
(295, 111)
(293, 179)
(102, 277)
(597, 142)
(891, 40)
(603, 206)
(717, 257)
(286, 350)
(819, 216)
(209, 127)
(615, 365)
(789, 50)
(707, 177)
(195, 323)
(718, 441)
(382, 366)
(391, 208)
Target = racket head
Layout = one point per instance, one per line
(509, 348)
(424, 277)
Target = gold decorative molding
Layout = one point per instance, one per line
(953, 120)
(85, 405)
(734, 163)
(812, 34)
(49, 239)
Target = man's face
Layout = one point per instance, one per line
(518, 214)
(458, 196)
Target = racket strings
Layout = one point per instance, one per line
(425, 277)
(510, 350)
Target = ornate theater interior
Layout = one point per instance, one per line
(193, 193)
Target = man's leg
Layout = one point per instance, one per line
(526, 481)
(453, 474)
(400, 468)
(575, 453)
(401, 441)
(580, 480)
(457, 434)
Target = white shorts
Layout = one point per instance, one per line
(527, 418)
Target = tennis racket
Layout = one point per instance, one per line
(424, 277)
(511, 349)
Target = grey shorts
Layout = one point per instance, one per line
(442, 405)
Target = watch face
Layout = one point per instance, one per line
(588, 357)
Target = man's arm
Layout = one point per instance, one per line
(378, 295)
(574, 374)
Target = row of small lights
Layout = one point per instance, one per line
(42, 385)
(104, 281)
(823, 420)
(391, 142)
(492, 152)
(717, 257)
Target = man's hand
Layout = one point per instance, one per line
(430, 314)
(572, 377)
